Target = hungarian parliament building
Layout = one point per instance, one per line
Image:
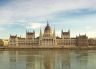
(49, 38)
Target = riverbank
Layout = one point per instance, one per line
(50, 47)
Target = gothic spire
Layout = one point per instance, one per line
(62, 30)
(54, 31)
(47, 23)
(34, 31)
(40, 32)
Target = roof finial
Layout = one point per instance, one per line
(54, 31)
(47, 23)
(69, 30)
(62, 30)
(40, 32)
(33, 31)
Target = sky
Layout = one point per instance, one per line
(17, 16)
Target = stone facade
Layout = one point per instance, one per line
(49, 38)
(92, 41)
(82, 40)
(1, 42)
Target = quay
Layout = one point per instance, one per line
(53, 48)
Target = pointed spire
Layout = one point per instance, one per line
(26, 30)
(40, 32)
(62, 30)
(34, 31)
(54, 31)
(69, 30)
(47, 23)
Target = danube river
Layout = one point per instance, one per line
(48, 59)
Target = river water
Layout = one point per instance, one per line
(48, 59)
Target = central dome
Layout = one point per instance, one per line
(48, 30)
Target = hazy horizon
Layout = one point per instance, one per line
(17, 16)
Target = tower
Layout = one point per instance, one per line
(40, 33)
(54, 34)
(65, 35)
(40, 37)
(30, 38)
(54, 37)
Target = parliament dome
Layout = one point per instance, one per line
(48, 29)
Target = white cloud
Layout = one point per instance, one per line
(5, 21)
(42, 10)
(44, 7)
(88, 27)
(34, 25)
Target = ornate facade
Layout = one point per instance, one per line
(48, 38)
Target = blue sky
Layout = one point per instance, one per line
(18, 15)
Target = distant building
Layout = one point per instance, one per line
(49, 38)
(5, 42)
(1, 42)
(92, 41)
(73, 41)
(82, 40)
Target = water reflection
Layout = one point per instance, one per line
(48, 59)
